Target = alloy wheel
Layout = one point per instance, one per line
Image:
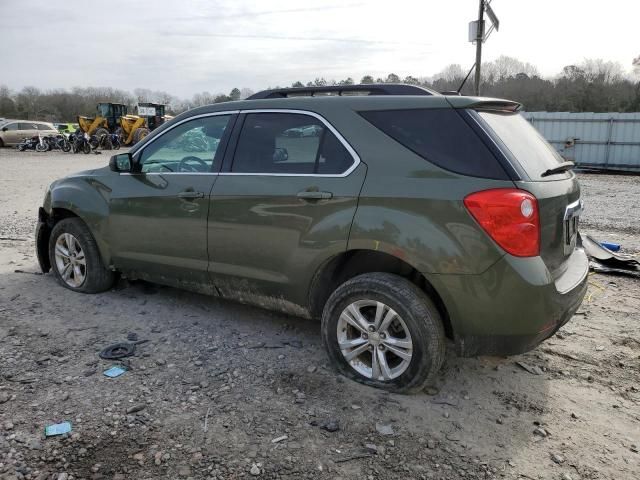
(374, 340)
(70, 260)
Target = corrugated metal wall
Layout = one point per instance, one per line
(595, 140)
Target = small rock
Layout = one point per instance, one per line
(557, 458)
(138, 457)
(311, 369)
(499, 421)
(355, 407)
(599, 348)
(198, 363)
(371, 448)
(63, 476)
(280, 357)
(633, 447)
(157, 458)
(431, 444)
(541, 432)
(255, 470)
(161, 361)
(4, 397)
(184, 471)
(279, 439)
(136, 408)
(565, 476)
(330, 426)
(383, 429)
(8, 425)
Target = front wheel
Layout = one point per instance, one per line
(75, 258)
(41, 147)
(382, 330)
(66, 147)
(86, 148)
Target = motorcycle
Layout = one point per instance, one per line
(80, 142)
(110, 141)
(36, 143)
(58, 142)
(27, 144)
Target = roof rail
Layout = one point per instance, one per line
(362, 89)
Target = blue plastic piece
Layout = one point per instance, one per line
(114, 371)
(57, 429)
(614, 247)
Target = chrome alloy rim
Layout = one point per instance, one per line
(70, 260)
(374, 340)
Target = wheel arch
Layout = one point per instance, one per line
(351, 263)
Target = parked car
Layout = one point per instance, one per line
(67, 128)
(414, 220)
(13, 132)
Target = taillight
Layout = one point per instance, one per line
(510, 217)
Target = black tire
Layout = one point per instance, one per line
(139, 134)
(86, 148)
(97, 277)
(106, 144)
(66, 147)
(1, 143)
(419, 314)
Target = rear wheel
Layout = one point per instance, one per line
(381, 330)
(104, 138)
(139, 134)
(75, 258)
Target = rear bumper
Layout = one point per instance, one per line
(513, 306)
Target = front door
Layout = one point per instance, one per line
(285, 205)
(158, 213)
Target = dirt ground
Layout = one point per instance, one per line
(224, 391)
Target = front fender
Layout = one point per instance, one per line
(86, 198)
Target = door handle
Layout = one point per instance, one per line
(311, 195)
(188, 194)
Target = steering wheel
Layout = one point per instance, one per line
(184, 166)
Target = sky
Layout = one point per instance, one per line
(189, 46)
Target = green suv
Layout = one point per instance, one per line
(401, 218)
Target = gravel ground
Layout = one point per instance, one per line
(224, 391)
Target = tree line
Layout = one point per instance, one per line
(590, 86)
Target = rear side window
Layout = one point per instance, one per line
(289, 143)
(440, 136)
(44, 126)
(524, 142)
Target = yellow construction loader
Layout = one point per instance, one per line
(113, 118)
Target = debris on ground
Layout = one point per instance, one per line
(114, 371)
(57, 429)
(603, 260)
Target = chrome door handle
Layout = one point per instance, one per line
(188, 194)
(310, 195)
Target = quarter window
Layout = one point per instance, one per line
(27, 126)
(11, 126)
(189, 147)
(440, 136)
(289, 143)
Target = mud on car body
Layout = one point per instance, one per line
(406, 220)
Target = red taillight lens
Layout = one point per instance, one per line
(510, 217)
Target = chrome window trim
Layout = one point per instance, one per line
(343, 141)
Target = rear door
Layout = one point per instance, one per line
(27, 130)
(558, 194)
(283, 204)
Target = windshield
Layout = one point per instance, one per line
(529, 148)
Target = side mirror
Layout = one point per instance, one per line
(120, 163)
(4, 129)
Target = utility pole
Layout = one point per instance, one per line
(479, 40)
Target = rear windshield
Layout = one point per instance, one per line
(440, 136)
(527, 146)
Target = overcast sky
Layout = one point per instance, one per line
(189, 46)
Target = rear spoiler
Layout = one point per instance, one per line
(485, 104)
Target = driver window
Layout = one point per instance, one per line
(189, 147)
